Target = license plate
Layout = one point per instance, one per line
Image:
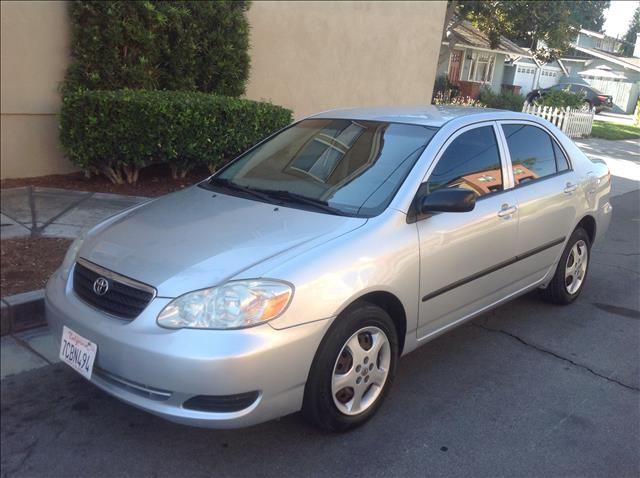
(77, 352)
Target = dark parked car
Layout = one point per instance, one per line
(592, 97)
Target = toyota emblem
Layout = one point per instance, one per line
(101, 286)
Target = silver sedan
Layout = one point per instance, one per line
(296, 276)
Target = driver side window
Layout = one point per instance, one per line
(471, 161)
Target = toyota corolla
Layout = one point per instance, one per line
(297, 276)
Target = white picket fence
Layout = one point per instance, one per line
(574, 122)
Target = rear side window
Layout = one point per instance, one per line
(471, 161)
(561, 160)
(534, 154)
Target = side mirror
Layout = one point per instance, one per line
(448, 200)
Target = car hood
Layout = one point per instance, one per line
(194, 238)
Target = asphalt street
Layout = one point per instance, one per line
(528, 389)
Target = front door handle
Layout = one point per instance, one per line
(570, 188)
(507, 210)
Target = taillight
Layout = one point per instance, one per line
(603, 98)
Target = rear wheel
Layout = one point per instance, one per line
(571, 273)
(352, 370)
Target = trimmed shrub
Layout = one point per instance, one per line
(119, 132)
(506, 100)
(561, 99)
(163, 45)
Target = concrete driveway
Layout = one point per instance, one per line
(529, 389)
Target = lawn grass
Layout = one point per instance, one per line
(614, 131)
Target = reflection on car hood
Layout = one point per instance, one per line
(195, 238)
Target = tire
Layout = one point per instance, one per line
(563, 289)
(328, 405)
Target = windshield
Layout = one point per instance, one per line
(340, 166)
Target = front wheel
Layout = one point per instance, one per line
(571, 273)
(353, 369)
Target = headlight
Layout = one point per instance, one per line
(70, 256)
(235, 305)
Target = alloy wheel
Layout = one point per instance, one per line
(361, 370)
(576, 267)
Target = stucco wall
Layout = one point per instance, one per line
(34, 43)
(313, 56)
(308, 56)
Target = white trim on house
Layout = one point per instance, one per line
(473, 68)
(592, 33)
(564, 70)
(487, 50)
(610, 58)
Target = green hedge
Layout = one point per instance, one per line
(159, 45)
(504, 101)
(119, 132)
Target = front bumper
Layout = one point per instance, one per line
(158, 369)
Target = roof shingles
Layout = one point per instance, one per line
(469, 36)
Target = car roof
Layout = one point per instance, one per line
(428, 115)
(584, 85)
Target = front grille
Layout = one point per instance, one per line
(124, 297)
(221, 403)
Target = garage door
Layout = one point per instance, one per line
(524, 78)
(549, 77)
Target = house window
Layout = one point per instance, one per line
(322, 154)
(481, 69)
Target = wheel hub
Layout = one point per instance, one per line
(361, 370)
(576, 267)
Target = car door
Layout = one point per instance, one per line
(546, 190)
(465, 257)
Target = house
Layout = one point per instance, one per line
(306, 56)
(592, 60)
(529, 74)
(486, 182)
(472, 62)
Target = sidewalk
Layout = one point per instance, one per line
(27, 351)
(615, 117)
(49, 212)
(622, 158)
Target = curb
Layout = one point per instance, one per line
(22, 312)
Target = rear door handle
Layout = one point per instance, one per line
(507, 210)
(570, 188)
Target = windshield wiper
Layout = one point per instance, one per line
(279, 196)
(226, 184)
(300, 199)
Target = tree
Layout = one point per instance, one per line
(631, 36)
(589, 14)
(546, 27)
